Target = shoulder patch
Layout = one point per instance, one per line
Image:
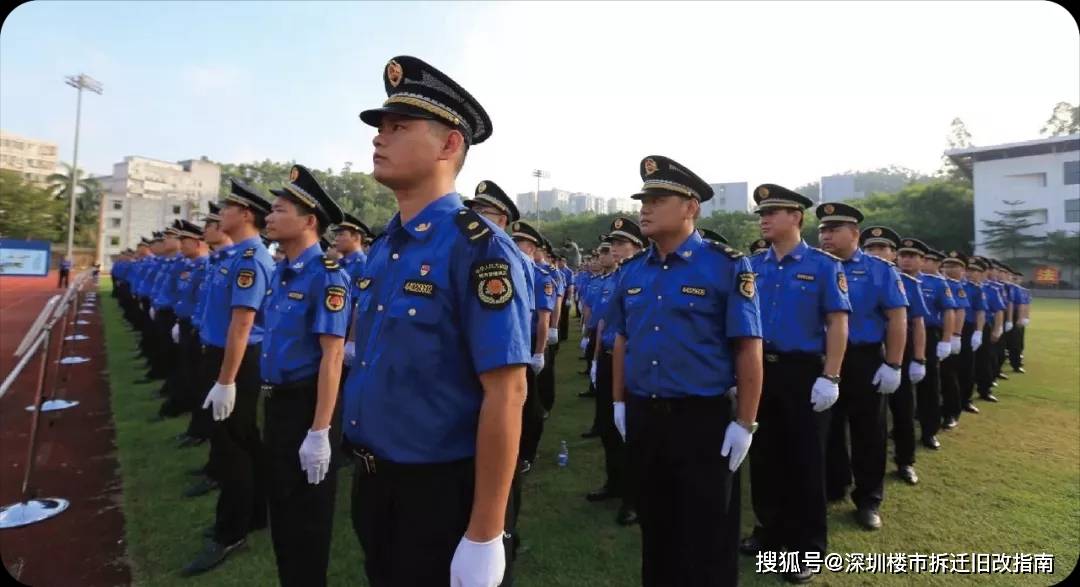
(472, 225)
(335, 298)
(331, 264)
(725, 249)
(492, 283)
(249, 252)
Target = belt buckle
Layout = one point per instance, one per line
(368, 461)
(267, 390)
(772, 358)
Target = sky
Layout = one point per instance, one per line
(771, 92)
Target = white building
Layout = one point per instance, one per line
(1044, 174)
(728, 197)
(143, 195)
(839, 188)
(35, 160)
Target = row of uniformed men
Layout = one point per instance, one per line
(447, 317)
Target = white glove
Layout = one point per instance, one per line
(537, 362)
(152, 313)
(592, 373)
(1025, 321)
(478, 564)
(1008, 326)
(736, 444)
(824, 394)
(917, 372)
(584, 343)
(223, 398)
(943, 350)
(887, 379)
(976, 340)
(176, 333)
(315, 455)
(553, 336)
(350, 352)
(619, 415)
(955, 345)
(733, 393)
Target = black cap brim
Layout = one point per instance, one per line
(373, 117)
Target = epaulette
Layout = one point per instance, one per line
(827, 254)
(249, 252)
(879, 259)
(725, 249)
(759, 252)
(911, 277)
(472, 225)
(330, 264)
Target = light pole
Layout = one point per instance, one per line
(538, 174)
(79, 82)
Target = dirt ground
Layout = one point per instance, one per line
(75, 457)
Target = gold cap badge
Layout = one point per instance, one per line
(394, 73)
(650, 167)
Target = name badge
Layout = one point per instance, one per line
(633, 291)
(296, 295)
(804, 276)
(419, 288)
(693, 291)
(858, 272)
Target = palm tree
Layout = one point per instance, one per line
(87, 202)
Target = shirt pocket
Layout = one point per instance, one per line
(416, 310)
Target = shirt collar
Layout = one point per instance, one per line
(796, 253)
(857, 257)
(250, 242)
(685, 251)
(305, 257)
(353, 256)
(420, 226)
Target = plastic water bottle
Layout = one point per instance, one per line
(564, 454)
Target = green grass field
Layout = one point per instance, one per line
(1006, 481)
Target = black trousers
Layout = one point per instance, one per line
(984, 363)
(688, 498)
(147, 342)
(237, 456)
(1015, 346)
(616, 455)
(950, 386)
(546, 378)
(62, 279)
(532, 418)
(564, 322)
(787, 457)
(165, 357)
(902, 406)
(965, 366)
(184, 374)
(928, 391)
(862, 409)
(201, 424)
(410, 518)
(301, 514)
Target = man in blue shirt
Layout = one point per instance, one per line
(349, 237)
(164, 304)
(883, 242)
(433, 400)
(626, 241)
(804, 309)
(687, 330)
(872, 367)
(232, 335)
(981, 268)
(545, 258)
(957, 265)
(65, 272)
(304, 317)
(605, 265)
(1021, 299)
(996, 277)
(568, 297)
(951, 266)
(187, 390)
(939, 329)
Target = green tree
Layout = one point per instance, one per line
(1064, 121)
(87, 203)
(1064, 248)
(739, 228)
(29, 212)
(958, 138)
(1006, 237)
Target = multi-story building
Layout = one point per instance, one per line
(840, 188)
(728, 197)
(35, 160)
(143, 195)
(1041, 175)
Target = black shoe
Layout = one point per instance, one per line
(201, 487)
(1002, 376)
(803, 575)
(191, 441)
(547, 414)
(211, 556)
(949, 424)
(197, 472)
(587, 394)
(988, 397)
(993, 384)
(907, 473)
(524, 467)
(627, 517)
(869, 519)
(1019, 370)
(751, 545)
(600, 494)
(590, 434)
(970, 408)
(931, 443)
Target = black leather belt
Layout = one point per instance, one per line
(793, 358)
(269, 389)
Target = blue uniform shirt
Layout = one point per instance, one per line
(441, 301)
(592, 297)
(678, 316)
(212, 266)
(916, 303)
(938, 298)
(796, 294)
(607, 291)
(568, 276)
(168, 279)
(544, 292)
(959, 295)
(308, 298)
(874, 286)
(976, 299)
(187, 286)
(240, 281)
(353, 264)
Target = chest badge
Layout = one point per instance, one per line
(422, 227)
(633, 291)
(425, 269)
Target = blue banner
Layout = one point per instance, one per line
(19, 257)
